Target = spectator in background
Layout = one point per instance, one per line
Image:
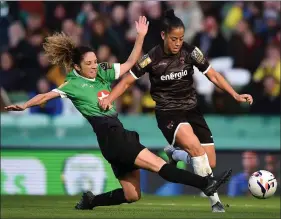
(35, 39)
(210, 40)
(153, 11)
(192, 16)
(44, 65)
(34, 22)
(252, 13)
(105, 7)
(52, 107)
(120, 26)
(11, 77)
(5, 23)
(84, 20)
(86, 9)
(103, 35)
(25, 55)
(267, 83)
(270, 66)
(272, 165)
(271, 17)
(233, 16)
(238, 184)
(134, 10)
(277, 38)
(56, 17)
(103, 53)
(70, 28)
(268, 103)
(16, 34)
(242, 45)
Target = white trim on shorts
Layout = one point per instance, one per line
(175, 133)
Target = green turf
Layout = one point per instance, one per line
(147, 207)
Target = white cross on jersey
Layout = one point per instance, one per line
(102, 95)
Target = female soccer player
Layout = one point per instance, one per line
(170, 68)
(86, 84)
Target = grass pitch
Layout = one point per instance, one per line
(147, 207)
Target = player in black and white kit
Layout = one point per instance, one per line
(170, 68)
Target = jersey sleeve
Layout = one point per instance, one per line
(199, 60)
(65, 89)
(109, 72)
(141, 67)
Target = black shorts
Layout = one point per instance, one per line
(120, 147)
(169, 122)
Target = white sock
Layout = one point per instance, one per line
(181, 155)
(201, 167)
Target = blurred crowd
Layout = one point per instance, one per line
(248, 32)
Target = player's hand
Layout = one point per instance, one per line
(244, 98)
(15, 108)
(142, 25)
(105, 104)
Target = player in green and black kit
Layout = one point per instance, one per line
(86, 84)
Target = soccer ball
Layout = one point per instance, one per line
(262, 184)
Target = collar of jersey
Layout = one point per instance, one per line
(78, 75)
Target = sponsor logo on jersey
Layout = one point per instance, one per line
(182, 60)
(86, 85)
(102, 94)
(197, 55)
(174, 75)
(105, 65)
(162, 63)
(144, 61)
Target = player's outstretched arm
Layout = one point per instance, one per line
(220, 82)
(142, 28)
(118, 90)
(37, 100)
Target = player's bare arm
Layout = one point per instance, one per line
(117, 91)
(37, 100)
(142, 28)
(220, 82)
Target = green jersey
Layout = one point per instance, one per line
(85, 93)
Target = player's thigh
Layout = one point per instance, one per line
(187, 140)
(149, 161)
(178, 132)
(131, 185)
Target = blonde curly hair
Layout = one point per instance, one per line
(59, 49)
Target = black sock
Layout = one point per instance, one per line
(114, 197)
(173, 174)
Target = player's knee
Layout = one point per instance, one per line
(133, 197)
(196, 150)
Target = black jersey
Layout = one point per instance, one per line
(171, 76)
